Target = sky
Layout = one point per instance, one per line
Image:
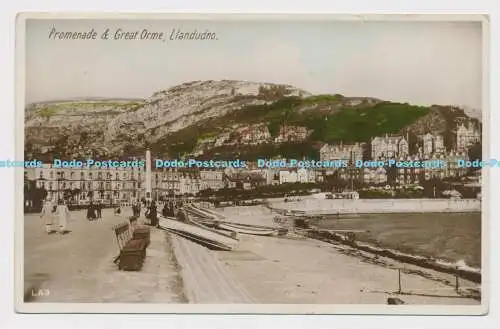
(421, 63)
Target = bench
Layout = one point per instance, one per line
(132, 250)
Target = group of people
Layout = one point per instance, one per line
(56, 216)
(152, 214)
(169, 210)
(136, 209)
(94, 211)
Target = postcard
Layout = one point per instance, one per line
(216, 163)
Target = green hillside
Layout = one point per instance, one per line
(325, 115)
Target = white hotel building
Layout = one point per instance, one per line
(113, 185)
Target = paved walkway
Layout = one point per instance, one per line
(78, 267)
(205, 279)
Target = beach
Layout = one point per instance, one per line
(300, 270)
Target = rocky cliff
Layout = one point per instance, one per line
(186, 115)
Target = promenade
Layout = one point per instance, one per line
(78, 267)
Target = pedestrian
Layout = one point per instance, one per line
(47, 214)
(134, 209)
(62, 214)
(118, 210)
(91, 215)
(138, 208)
(153, 215)
(99, 210)
(164, 211)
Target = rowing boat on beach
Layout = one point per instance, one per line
(207, 225)
(210, 221)
(209, 212)
(198, 234)
(199, 212)
(246, 229)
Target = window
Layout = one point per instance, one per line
(82, 175)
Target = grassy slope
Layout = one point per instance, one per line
(348, 123)
(51, 109)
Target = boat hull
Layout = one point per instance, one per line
(197, 233)
(247, 230)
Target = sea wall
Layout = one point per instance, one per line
(370, 206)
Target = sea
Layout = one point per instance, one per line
(451, 238)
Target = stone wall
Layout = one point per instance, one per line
(360, 206)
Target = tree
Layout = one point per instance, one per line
(475, 151)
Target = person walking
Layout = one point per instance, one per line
(134, 209)
(138, 209)
(153, 215)
(168, 210)
(118, 210)
(99, 210)
(47, 214)
(62, 214)
(91, 212)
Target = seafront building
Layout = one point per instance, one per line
(389, 147)
(343, 152)
(467, 136)
(113, 185)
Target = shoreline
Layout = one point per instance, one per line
(304, 270)
(473, 275)
(427, 267)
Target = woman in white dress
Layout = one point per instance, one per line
(47, 214)
(62, 214)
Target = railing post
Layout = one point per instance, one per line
(399, 280)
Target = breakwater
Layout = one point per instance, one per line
(374, 206)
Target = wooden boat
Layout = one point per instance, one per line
(233, 226)
(198, 234)
(209, 212)
(200, 213)
(246, 230)
(248, 226)
(209, 226)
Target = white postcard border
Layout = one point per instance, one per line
(150, 308)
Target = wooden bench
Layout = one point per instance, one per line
(132, 250)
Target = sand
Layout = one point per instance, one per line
(306, 271)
